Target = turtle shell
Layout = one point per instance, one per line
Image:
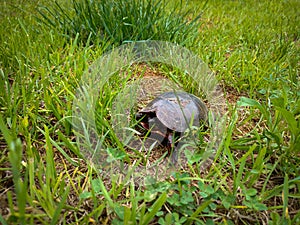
(176, 110)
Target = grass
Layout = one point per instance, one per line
(253, 48)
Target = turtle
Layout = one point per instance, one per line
(169, 115)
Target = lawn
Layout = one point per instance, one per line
(48, 53)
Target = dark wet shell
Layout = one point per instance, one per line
(175, 110)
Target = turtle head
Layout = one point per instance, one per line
(143, 118)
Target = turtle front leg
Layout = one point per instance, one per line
(175, 148)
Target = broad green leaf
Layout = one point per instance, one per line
(290, 118)
(251, 192)
(260, 206)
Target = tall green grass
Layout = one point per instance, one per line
(123, 21)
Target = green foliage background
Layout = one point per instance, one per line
(252, 46)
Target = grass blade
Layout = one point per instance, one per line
(285, 199)
(3, 221)
(154, 209)
(15, 159)
(198, 211)
(60, 206)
